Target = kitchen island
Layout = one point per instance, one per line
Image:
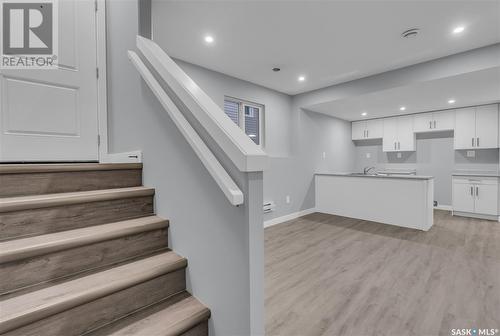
(402, 200)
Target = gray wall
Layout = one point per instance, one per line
(223, 243)
(434, 156)
(294, 139)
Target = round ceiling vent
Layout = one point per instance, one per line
(410, 33)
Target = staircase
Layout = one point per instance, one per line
(82, 253)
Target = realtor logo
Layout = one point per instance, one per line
(29, 38)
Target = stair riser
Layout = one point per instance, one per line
(31, 271)
(66, 217)
(99, 312)
(59, 182)
(200, 330)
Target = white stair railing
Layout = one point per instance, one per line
(239, 148)
(221, 177)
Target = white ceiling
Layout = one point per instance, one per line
(473, 88)
(327, 41)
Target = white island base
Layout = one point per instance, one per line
(405, 201)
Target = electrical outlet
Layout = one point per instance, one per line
(324, 155)
(368, 155)
(287, 198)
(400, 155)
(471, 154)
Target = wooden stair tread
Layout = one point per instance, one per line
(173, 316)
(64, 167)
(28, 308)
(48, 243)
(49, 200)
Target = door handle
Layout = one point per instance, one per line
(477, 191)
(477, 142)
(471, 190)
(472, 142)
(430, 124)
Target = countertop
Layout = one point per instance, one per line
(477, 173)
(393, 176)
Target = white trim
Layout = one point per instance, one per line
(127, 157)
(239, 148)
(294, 215)
(444, 207)
(102, 101)
(475, 215)
(219, 174)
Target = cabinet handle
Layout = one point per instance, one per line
(477, 142)
(434, 124)
(477, 191)
(399, 145)
(367, 132)
(394, 145)
(472, 142)
(430, 124)
(472, 191)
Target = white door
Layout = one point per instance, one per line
(389, 142)
(423, 122)
(374, 129)
(51, 114)
(406, 137)
(444, 120)
(465, 128)
(463, 197)
(487, 126)
(486, 199)
(358, 130)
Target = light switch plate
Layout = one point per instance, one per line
(287, 199)
(471, 154)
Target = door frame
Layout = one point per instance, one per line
(102, 96)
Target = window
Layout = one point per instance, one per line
(248, 116)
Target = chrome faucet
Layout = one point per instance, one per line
(366, 170)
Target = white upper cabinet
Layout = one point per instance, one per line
(398, 134)
(434, 121)
(487, 126)
(374, 129)
(370, 129)
(477, 127)
(358, 130)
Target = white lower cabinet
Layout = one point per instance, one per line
(474, 195)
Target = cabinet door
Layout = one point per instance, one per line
(390, 139)
(406, 136)
(444, 120)
(423, 122)
(486, 199)
(487, 126)
(358, 130)
(463, 197)
(374, 129)
(465, 133)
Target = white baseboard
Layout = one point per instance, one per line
(444, 207)
(128, 157)
(282, 219)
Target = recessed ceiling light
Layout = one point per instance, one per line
(364, 114)
(301, 78)
(402, 108)
(451, 101)
(458, 30)
(209, 39)
(276, 69)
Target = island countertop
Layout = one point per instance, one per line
(380, 175)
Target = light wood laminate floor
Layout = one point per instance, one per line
(330, 275)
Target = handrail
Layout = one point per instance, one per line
(240, 149)
(221, 177)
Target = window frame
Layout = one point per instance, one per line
(242, 103)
